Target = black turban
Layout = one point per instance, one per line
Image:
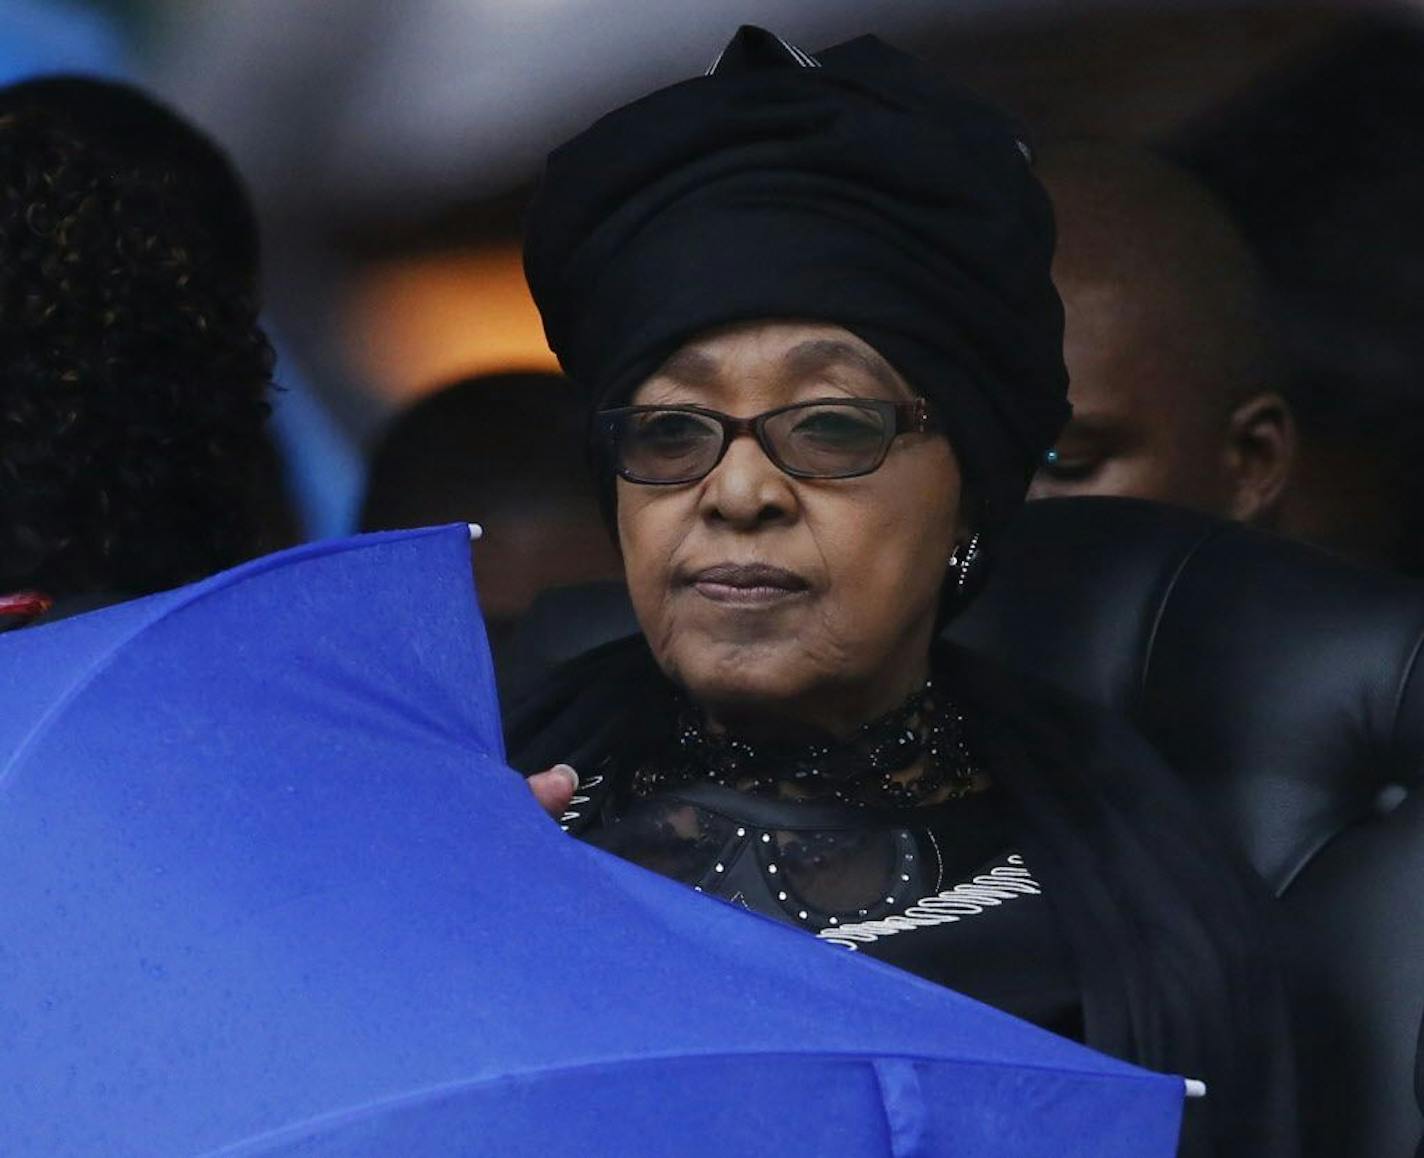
(854, 188)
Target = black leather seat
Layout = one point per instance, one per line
(1283, 685)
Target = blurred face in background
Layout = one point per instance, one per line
(1142, 425)
(1163, 341)
(507, 451)
(838, 629)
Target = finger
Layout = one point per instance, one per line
(554, 789)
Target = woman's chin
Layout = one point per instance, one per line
(766, 673)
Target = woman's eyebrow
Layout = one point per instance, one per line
(690, 367)
(810, 357)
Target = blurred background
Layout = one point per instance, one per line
(390, 148)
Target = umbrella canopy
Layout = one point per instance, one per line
(266, 887)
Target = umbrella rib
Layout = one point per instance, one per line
(258, 1142)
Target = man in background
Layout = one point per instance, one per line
(1166, 343)
(506, 451)
(1322, 165)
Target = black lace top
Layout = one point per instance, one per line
(937, 890)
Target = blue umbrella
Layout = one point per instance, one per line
(266, 887)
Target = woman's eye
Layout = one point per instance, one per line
(669, 437)
(670, 428)
(838, 428)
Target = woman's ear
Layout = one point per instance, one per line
(1260, 452)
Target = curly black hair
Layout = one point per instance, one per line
(133, 374)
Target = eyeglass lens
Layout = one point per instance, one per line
(825, 441)
(817, 440)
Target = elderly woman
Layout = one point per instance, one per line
(811, 300)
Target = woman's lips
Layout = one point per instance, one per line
(747, 584)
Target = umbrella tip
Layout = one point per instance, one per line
(477, 532)
(1195, 1087)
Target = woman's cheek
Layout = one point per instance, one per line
(893, 580)
(860, 588)
(649, 539)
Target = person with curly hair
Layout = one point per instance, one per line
(134, 376)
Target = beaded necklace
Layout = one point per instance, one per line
(860, 770)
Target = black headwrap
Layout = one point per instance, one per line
(854, 188)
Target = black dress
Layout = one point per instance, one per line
(939, 891)
(1083, 891)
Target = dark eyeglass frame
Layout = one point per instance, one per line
(912, 417)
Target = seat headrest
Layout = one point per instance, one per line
(1280, 681)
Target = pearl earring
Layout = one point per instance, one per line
(962, 565)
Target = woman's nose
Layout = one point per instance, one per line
(746, 488)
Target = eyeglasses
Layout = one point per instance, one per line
(831, 438)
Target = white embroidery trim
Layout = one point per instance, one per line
(988, 890)
(572, 814)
